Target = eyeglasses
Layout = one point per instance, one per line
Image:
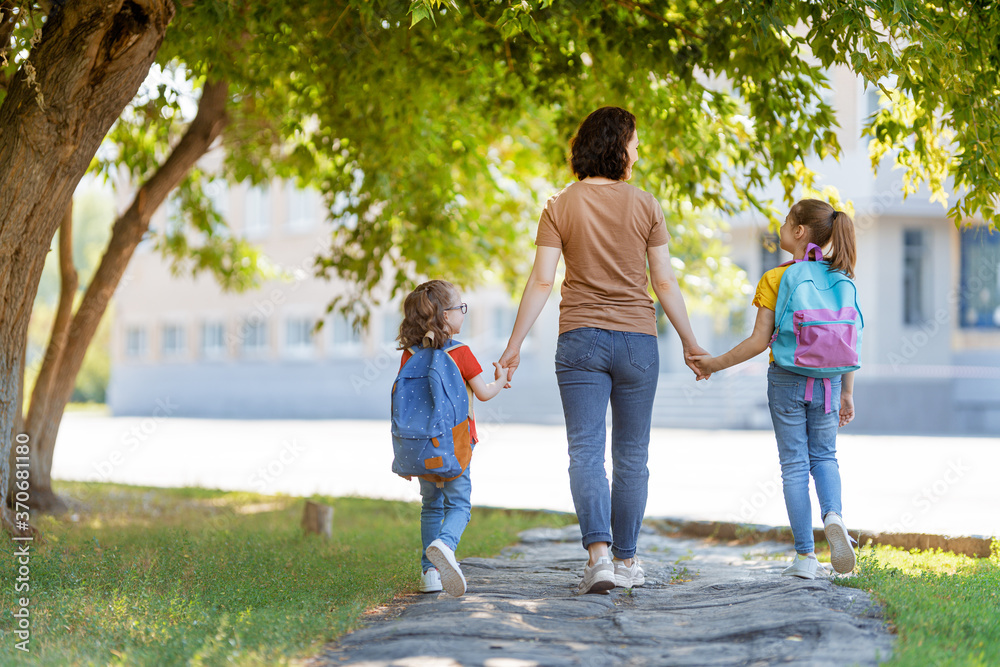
(464, 307)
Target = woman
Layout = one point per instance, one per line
(607, 349)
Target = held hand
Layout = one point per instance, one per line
(694, 357)
(702, 366)
(498, 372)
(509, 360)
(846, 409)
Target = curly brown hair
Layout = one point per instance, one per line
(600, 147)
(423, 313)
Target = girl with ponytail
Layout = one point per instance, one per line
(433, 314)
(805, 422)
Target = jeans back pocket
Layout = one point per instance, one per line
(643, 350)
(577, 346)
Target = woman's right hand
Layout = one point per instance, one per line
(694, 358)
(510, 358)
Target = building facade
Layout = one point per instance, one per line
(930, 294)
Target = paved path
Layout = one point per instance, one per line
(702, 605)
(890, 483)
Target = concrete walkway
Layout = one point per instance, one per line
(702, 604)
(890, 483)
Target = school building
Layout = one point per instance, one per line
(930, 295)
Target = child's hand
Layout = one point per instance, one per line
(702, 365)
(846, 409)
(498, 372)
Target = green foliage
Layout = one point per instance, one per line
(201, 577)
(945, 607)
(435, 129)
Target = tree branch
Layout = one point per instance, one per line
(41, 394)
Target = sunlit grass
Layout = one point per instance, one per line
(944, 607)
(147, 576)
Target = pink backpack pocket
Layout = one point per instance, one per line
(825, 338)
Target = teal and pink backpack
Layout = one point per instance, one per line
(430, 417)
(817, 321)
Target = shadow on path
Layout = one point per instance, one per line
(702, 604)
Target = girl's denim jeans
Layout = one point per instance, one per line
(593, 367)
(807, 443)
(445, 513)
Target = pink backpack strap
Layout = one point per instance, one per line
(827, 390)
(816, 250)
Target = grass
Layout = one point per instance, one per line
(945, 607)
(148, 576)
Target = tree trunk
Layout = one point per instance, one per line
(42, 497)
(317, 519)
(89, 62)
(60, 369)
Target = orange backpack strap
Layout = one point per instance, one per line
(472, 410)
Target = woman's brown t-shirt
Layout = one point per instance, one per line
(604, 232)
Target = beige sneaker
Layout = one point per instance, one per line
(599, 577)
(841, 550)
(629, 576)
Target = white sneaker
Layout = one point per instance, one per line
(803, 567)
(841, 551)
(629, 576)
(599, 577)
(443, 558)
(430, 581)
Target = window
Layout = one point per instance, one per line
(213, 343)
(174, 343)
(135, 342)
(298, 336)
(303, 208)
(258, 212)
(770, 252)
(254, 335)
(345, 339)
(916, 277)
(979, 300)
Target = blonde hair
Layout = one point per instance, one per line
(828, 225)
(423, 314)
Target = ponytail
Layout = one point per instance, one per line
(843, 248)
(827, 225)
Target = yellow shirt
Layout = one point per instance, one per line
(767, 291)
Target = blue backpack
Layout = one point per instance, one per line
(817, 322)
(430, 417)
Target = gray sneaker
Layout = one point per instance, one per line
(599, 577)
(841, 550)
(630, 576)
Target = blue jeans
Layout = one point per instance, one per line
(445, 513)
(807, 443)
(593, 367)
